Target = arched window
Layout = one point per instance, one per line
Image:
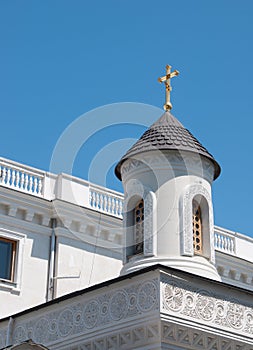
(197, 226)
(139, 227)
(196, 223)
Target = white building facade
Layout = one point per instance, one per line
(75, 275)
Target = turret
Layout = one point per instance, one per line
(168, 213)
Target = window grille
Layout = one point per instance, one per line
(197, 228)
(139, 227)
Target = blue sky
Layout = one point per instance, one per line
(60, 59)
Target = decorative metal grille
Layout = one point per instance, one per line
(197, 228)
(139, 227)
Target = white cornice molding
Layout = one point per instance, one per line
(173, 162)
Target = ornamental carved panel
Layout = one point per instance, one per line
(205, 306)
(84, 317)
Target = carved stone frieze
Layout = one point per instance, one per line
(130, 338)
(204, 306)
(95, 313)
(196, 339)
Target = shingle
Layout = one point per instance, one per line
(167, 133)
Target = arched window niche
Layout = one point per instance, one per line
(135, 227)
(139, 222)
(196, 223)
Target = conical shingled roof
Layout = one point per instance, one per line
(167, 133)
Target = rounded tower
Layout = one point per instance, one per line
(168, 214)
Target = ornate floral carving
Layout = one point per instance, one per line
(147, 296)
(19, 334)
(119, 305)
(205, 307)
(249, 320)
(214, 309)
(79, 318)
(173, 297)
(104, 309)
(65, 322)
(53, 326)
(235, 315)
(90, 314)
(41, 328)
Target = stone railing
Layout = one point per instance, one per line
(74, 190)
(224, 242)
(106, 201)
(43, 184)
(21, 178)
(233, 243)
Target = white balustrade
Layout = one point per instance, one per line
(106, 201)
(224, 242)
(21, 178)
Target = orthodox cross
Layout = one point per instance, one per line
(166, 80)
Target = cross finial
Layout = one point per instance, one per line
(166, 80)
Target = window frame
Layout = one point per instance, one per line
(14, 284)
(12, 259)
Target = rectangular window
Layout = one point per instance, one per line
(7, 258)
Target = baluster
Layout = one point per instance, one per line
(228, 243)
(215, 240)
(93, 199)
(97, 200)
(109, 204)
(90, 198)
(17, 179)
(4, 175)
(221, 242)
(105, 203)
(22, 181)
(120, 207)
(13, 175)
(101, 202)
(225, 243)
(232, 246)
(218, 242)
(31, 184)
(35, 189)
(40, 187)
(116, 206)
(113, 205)
(8, 179)
(26, 182)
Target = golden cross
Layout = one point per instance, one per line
(166, 80)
